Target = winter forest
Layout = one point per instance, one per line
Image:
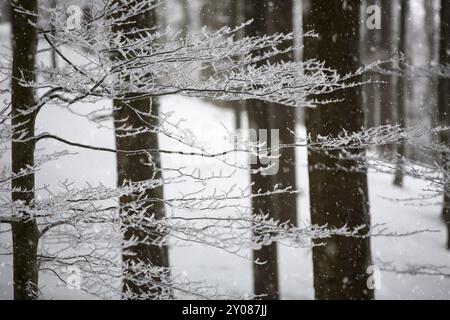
(224, 149)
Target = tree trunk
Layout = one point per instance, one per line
(235, 14)
(432, 31)
(137, 168)
(140, 114)
(279, 19)
(265, 276)
(388, 88)
(54, 57)
(370, 43)
(338, 196)
(186, 18)
(25, 233)
(444, 106)
(401, 116)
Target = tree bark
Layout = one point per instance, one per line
(387, 98)
(54, 58)
(338, 196)
(370, 43)
(235, 13)
(280, 19)
(401, 116)
(25, 232)
(265, 276)
(444, 106)
(432, 30)
(134, 113)
(186, 18)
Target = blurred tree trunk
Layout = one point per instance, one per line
(141, 115)
(25, 233)
(279, 19)
(370, 44)
(432, 31)
(401, 102)
(5, 13)
(338, 196)
(215, 15)
(186, 18)
(235, 13)
(387, 98)
(444, 105)
(265, 276)
(54, 58)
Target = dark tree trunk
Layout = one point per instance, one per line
(186, 18)
(401, 116)
(387, 98)
(25, 233)
(432, 31)
(444, 105)
(338, 197)
(265, 276)
(279, 19)
(235, 13)
(133, 113)
(370, 42)
(215, 15)
(54, 57)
